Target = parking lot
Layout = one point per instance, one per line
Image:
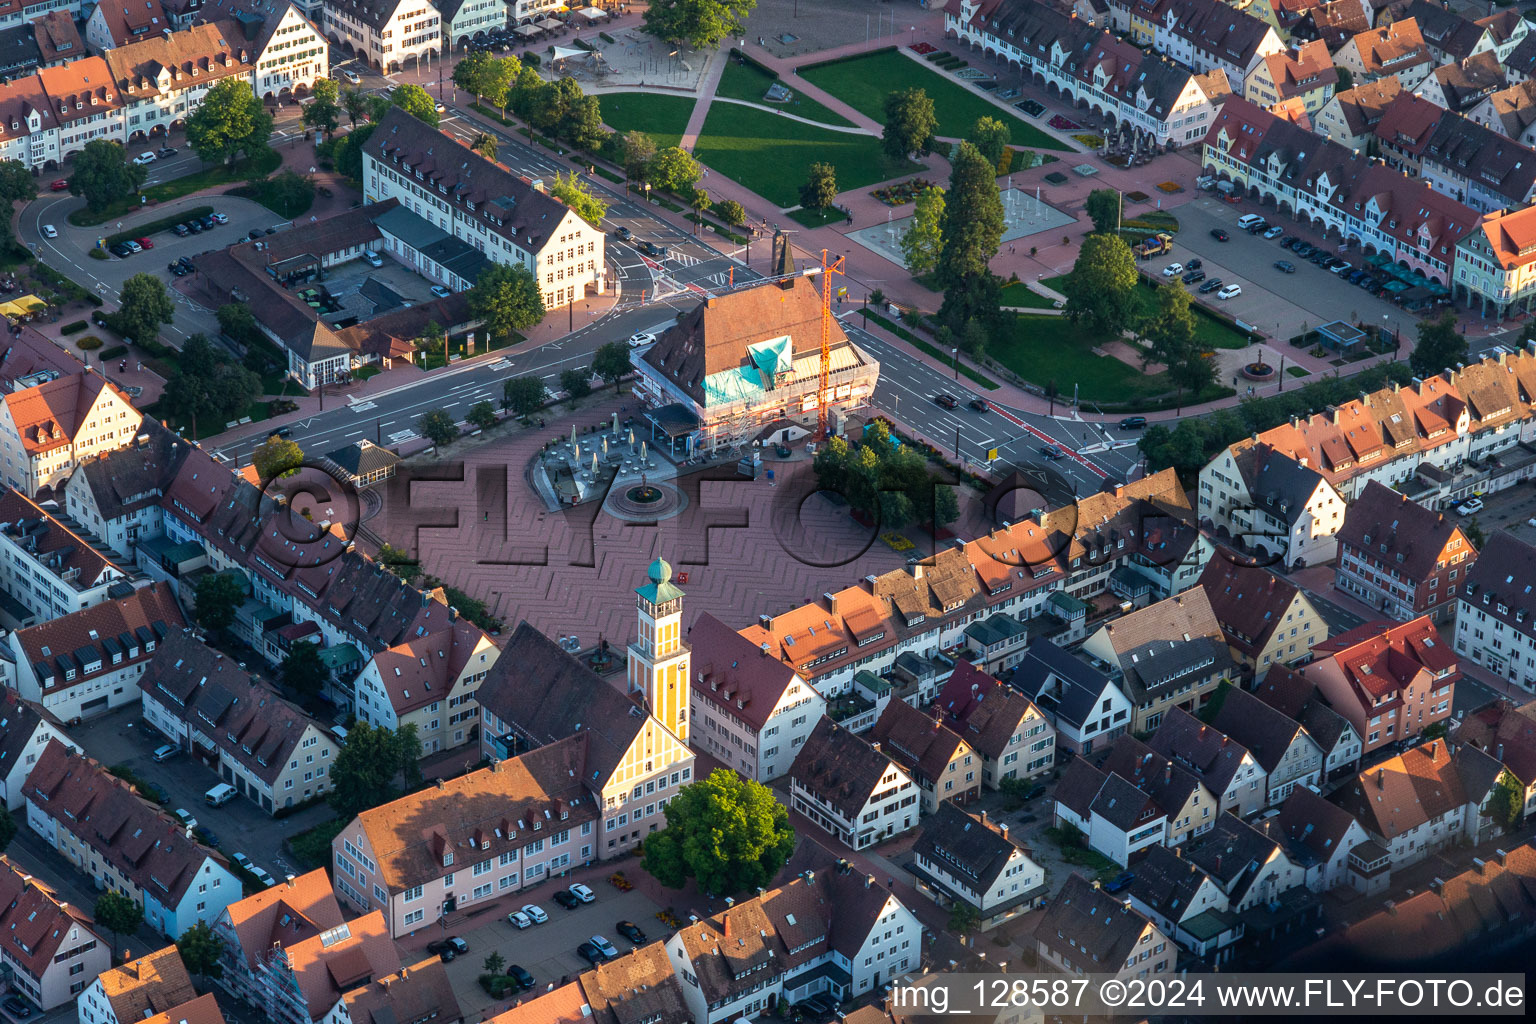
(122, 737)
(1271, 299)
(547, 951)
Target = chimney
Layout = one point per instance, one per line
(1434, 750)
(1437, 886)
(831, 600)
(917, 570)
(875, 746)
(1500, 754)
(810, 878)
(1003, 828)
(1479, 865)
(727, 924)
(730, 902)
(766, 621)
(869, 881)
(1218, 863)
(1500, 856)
(983, 813)
(1391, 906)
(1381, 778)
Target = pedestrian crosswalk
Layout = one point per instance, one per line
(363, 406)
(401, 436)
(682, 259)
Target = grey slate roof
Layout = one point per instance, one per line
(19, 53)
(1502, 584)
(965, 845)
(1078, 684)
(1086, 925)
(1166, 882)
(1266, 732)
(434, 243)
(1124, 806)
(1310, 829)
(1503, 166)
(362, 458)
(1276, 482)
(1231, 852)
(1295, 696)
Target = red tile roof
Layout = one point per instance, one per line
(50, 415)
(1381, 658)
(733, 674)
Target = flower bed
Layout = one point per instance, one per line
(1063, 124)
(923, 48)
(1170, 187)
(1034, 108)
(902, 192)
(1137, 197)
(1090, 140)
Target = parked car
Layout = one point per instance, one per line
(350, 76)
(782, 451)
(979, 404)
(520, 975)
(582, 893)
(177, 269)
(1342, 267)
(144, 158)
(206, 836)
(566, 900)
(1354, 276)
(219, 218)
(535, 913)
(519, 920)
(243, 861)
(165, 752)
(49, 231)
(1289, 242)
(1051, 451)
(133, 246)
(1173, 270)
(266, 880)
(604, 946)
(16, 1007)
(181, 231)
(440, 291)
(1285, 266)
(1191, 276)
(62, 185)
(1120, 881)
(1036, 790)
(165, 151)
(145, 243)
(1470, 507)
(1219, 234)
(195, 226)
(1210, 286)
(641, 338)
(1194, 264)
(1231, 291)
(185, 817)
(1274, 232)
(254, 234)
(631, 931)
(448, 948)
(946, 401)
(1132, 423)
(121, 250)
(591, 954)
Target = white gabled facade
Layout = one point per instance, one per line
(388, 34)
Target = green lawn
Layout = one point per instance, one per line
(1213, 332)
(863, 83)
(661, 117)
(1019, 295)
(817, 218)
(742, 81)
(243, 170)
(772, 155)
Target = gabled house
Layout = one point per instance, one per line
(1185, 904)
(1224, 766)
(1391, 680)
(936, 757)
(45, 567)
(48, 429)
(119, 22)
(429, 681)
(1005, 728)
(1350, 115)
(1510, 111)
(388, 34)
(25, 731)
(966, 857)
(1250, 867)
(1297, 697)
(1317, 836)
(1286, 753)
(258, 929)
(1086, 930)
(639, 986)
(1266, 620)
(1168, 655)
(1176, 787)
(1084, 705)
(416, 992)
(53, 951)
(750, 711)
(116, 495)
(851, 788)
(1400, 557)
(1495, 615)
(1461, 85)
(143, 987)
(1508, 733)
(1396, 50)
(1116, 817)
(1272, 503)
(1475, 165)
(1304, 74)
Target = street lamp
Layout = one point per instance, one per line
(955, 354)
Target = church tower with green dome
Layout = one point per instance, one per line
(658, 659)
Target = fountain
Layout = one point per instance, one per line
(643, 493)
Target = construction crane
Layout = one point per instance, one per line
(827, 270)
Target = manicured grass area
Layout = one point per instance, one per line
(1297, 371)
(663, 118)
(312, 849)
(1213, 332)
(749, 82)
(924, 346)
(817, 218)
(864, 81)
(772, 155)
(1019, 295)
(163, 224)
(242, 171)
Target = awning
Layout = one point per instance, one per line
(562, 52)
(526, 31)
(593, 14)
(551, 24)
(674, 420)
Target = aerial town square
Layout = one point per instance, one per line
(747, 511)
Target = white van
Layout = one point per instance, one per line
(220, 795)
(1248, 220)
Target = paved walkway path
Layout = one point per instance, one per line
(707, 87)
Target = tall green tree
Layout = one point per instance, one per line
(482, 415)
(207, 384)
(349, 155)
(582, 124)
(230, 120)
(909, 123)
(276, 456)
(576, 383)
(611, 362)
(924, 239)
(876, 477)
(524, 395)
(1507, 803)
(638, 149)
(673, 170)
(991, 137)
(727, 833)
(366, 769)
(506, 298)
(1440, 346)
(218, 596)
(732, 212)
(554, 103)
(438, 426)
(355, 103)
(303, 670)
(525, 94)
(16, 182)
(486, 145)
(407, 747)
(324, 111)
(702, 24)
(820, 189)
(1168, 334)
(972, 224)
(416, 101)
(143, 306)
(1104, 209)
(201, 949)
(103, 174)
(479, 73)
(1101, 286)
(575, 193)
(119, 914)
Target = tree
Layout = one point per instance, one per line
(1507, 802)
(582, 125)
(483, 75)
(433, 339)
(1169, 333)
(365, 770)
(728, 833)
(415, 100)
(1475, 536)
(611, 362)
(1192, 375)
(731, 212)
(1440, 346)
(201, 949)
(878, 477)
(103, 174)
(576, 382)
(276, 456)
(1101, 286)
(119, 913)
(324, 111)
(1104, 209)
(493, 963)
(486, 145)
(355, 103)
(506, 298)
(407, 749)
(7, 829)
(482, 415)
(923, 241)
(206, 383)
(218, 596)
(523, 395)
(699, 202)
(673, 170)
(571, 191)
(303, 671)
(972, 223)
(909, 124)
(438, 427)
(991, 137)
(16, 182)
(820, 189)
(963, 918)
(229, 121)
(638, 150)
(144, 305)
(349, 155)
(702, 24)
(525, 94)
